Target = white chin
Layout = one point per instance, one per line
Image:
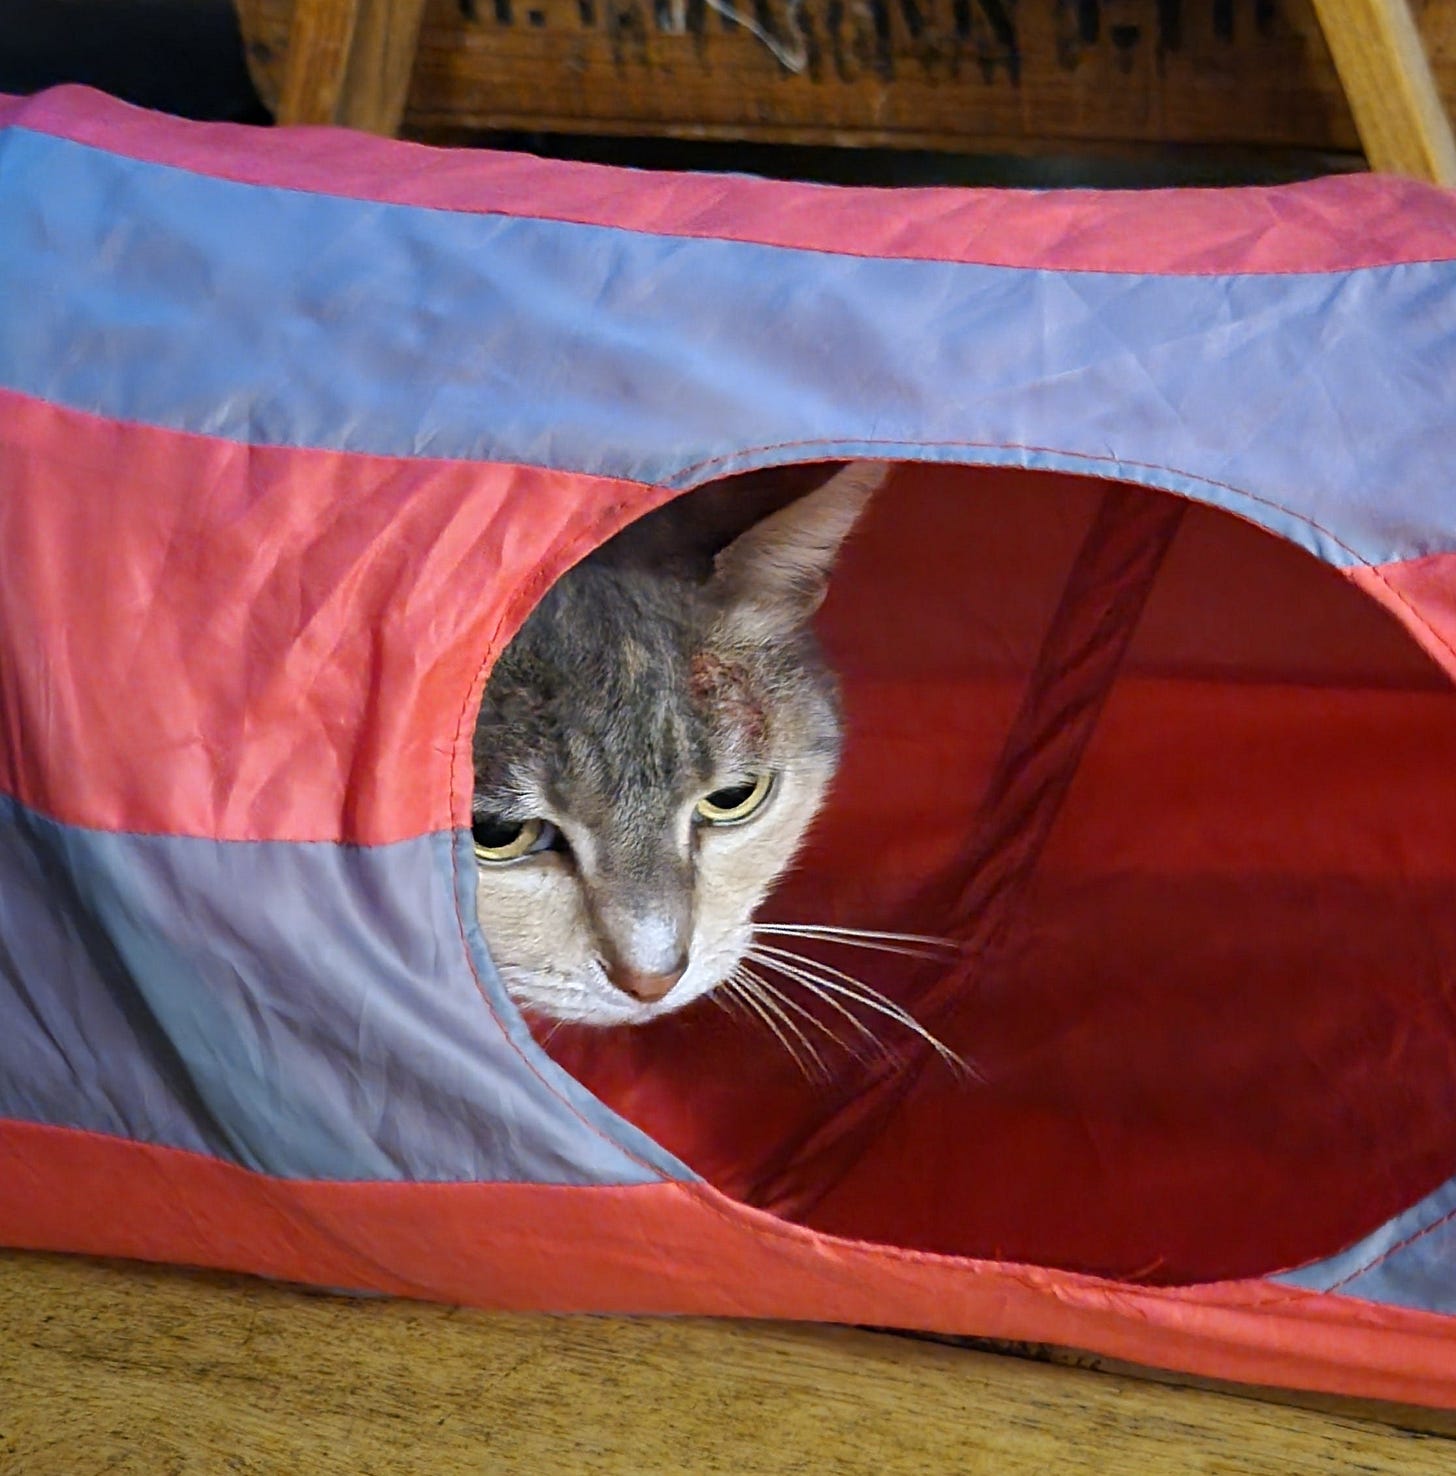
(582, 1004)
(585, 1011)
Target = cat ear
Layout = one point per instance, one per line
(774, 577)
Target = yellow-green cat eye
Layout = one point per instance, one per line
(734, 802)
(506, 840)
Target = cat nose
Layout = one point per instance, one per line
(643, 986)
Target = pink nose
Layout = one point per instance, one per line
(648, 988)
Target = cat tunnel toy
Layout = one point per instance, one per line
(1147, 651)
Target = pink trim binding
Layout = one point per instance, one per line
(1341, 223)
(679, 1249)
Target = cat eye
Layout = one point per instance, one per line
(734, 802)
(498, 840)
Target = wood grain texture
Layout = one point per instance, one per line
(1383, 67)
(135, 1371)
(313, 60)
(1111, 75)
(349, 62)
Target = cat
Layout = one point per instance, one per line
(651, 748)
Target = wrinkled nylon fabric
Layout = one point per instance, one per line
(283, 469)
(298, 634)
(1220, 1037)
(302, 1010)
(1096, 617)
(677, 1247)
(1406, 1262)
(1323, 225)
(629, 355)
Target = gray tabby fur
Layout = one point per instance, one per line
(662, 668)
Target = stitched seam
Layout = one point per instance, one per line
(685, 234)
(292, 448)
(1080, 456)
(1385, 1255)
(101, 1135)
(133, 832)
(1416, 619)
(529, 592)
(765, 1222)
(525, 598)
(711, 1199)
(681, 479)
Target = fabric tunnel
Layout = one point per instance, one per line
(1147, 657)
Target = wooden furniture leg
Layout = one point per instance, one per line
(349, 62)
(1387, 78)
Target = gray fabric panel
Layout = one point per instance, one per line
(1315, 404)
(1409, 1261)
(306, 1010)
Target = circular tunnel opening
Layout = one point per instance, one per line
(1180, 794)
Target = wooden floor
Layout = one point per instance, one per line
(133, 1371)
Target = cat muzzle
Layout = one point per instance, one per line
(646, 987)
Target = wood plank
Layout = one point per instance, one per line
(381, 65)
(978, 75)
(137, 1371)
(349, 62)
(1381, 59)
(315, 57)
(1401, 1416)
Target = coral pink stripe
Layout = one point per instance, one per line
(1335, 224)
(260, 643)
(679, 1248)
(1421, 594)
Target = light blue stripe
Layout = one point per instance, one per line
(1318, 405)
(1410, 1261)
(302, 1009)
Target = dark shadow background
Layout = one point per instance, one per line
(178, 56)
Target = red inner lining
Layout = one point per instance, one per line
(1221, 1036)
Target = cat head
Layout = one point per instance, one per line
(651, 748)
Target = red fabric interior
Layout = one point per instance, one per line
(1219, 1038)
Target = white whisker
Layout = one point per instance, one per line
(870, 944)
(801, 969)
(725, 999)
(808, 1015)
(744, 990)
(860, 937)
(771, 1002)
(881, 1047)
(796, 966)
